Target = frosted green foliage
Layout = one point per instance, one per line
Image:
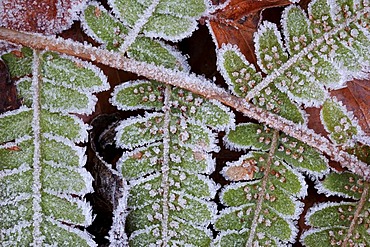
(106, 29)
(321, 51)
(260, 211)
(342, 223)
(263, 203)
(294, 152)
(167, 164)
(171, 20)
(103, 27)
(150, 95)
(242, 77)
(345, 184)
(341, 126)
(21, 63)
(272, 55)
(42, 178)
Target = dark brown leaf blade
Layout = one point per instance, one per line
(238, 21)
(49, 17)
(8, 92)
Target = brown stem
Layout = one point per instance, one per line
(191, 82)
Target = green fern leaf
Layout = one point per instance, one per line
(321, 51)
(42, 178)
(271, 55)
(21, 63)
(342, 223)
(171, 20)
(260, 211)
(106, 29)
(242, 77)
(167, 163)
(338, 123)
(294, 152)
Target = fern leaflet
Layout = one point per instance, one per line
(262, 210)
(42, 178)
(340, 223)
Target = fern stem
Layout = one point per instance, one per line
(134, 32)
(360, 206)
(190, 82)
(294, 59)
(262, 193)
(36, 186)
(165, 166)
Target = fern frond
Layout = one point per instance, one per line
(342, 223)
(170, 20)
(293, 151)
(321, 52)
(106, 29)
(262, 210)
(312, 61)
(167, 163)
(42, 178)
(242, 77)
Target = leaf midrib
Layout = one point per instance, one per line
(165, 166)
(36, 186)
(261, 194)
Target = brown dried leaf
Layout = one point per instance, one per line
(237, 22)
(8, 92)
(49, 17)
(243, 172)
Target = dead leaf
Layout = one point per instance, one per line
(13, 148)
(238, 21)
(49, 17)
(8, 96)
(314, 121)
(243, 172)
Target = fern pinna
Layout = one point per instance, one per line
(261, 210)
(42, 178)
(345, 223)
(168, 167)
(321, 52)
(168, 151)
